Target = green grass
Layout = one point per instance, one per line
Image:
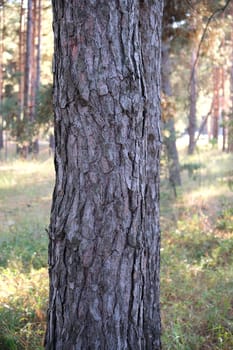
(25, 199)
(196, 256)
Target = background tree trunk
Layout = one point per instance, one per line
(223, 109)
(1, 71)
(216, 103)
(28, 61)
(192, 109)
(22, 56)
(27, 97)
(36, 67)
(104, 231)
(21, 68)
(230, 121)
(33, 62)
(38, 48)
(170, 141)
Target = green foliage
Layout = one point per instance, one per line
(214, 142)
(7, 342)
(225, 219)
(20, 128)
(222, 255)
(192, 168)
(9, 110)
(16, 121)
(44, 111)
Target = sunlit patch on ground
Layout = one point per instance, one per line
(25, 201)
(197, 259)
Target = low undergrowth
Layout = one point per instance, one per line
(25, 195)
(196, 255)
(197, 290)
(22, 308)
(197, 260)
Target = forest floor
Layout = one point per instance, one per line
(196, 253)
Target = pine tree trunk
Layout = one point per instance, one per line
(230, 121)
(37, 65)
(38, 47)
(104, 231)
(223, 109)
(1, 74)
(33, 62)
(216, 105)
(27, 82)
(170, 141)
(192, 110)
(22, 56)
(35, 71)
(28, 54)
(21, 67)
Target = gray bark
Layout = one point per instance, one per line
(104, 231)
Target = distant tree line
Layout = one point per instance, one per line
(25, 102)
(197, 83)
(197, 74)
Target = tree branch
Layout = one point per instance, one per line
(203, 124)
(215, 13)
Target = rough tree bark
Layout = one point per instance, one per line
(104, 231)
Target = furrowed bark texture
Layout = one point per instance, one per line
(104, 230)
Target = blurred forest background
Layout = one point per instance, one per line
(196, 173)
